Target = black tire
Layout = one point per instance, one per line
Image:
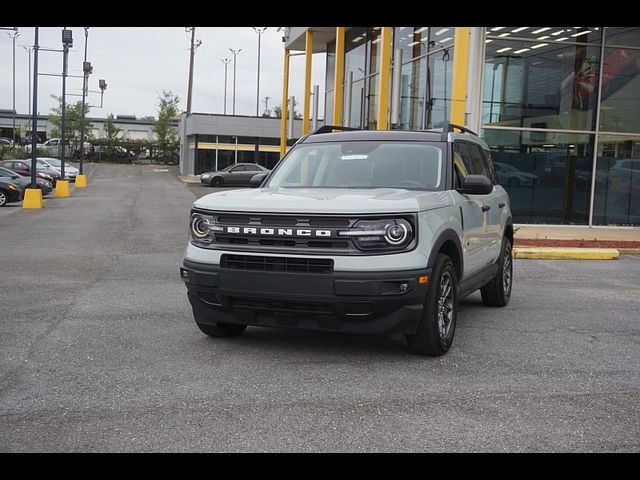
(221, 330)
(498, 292)
(438, 322)
(216, 182)
(3, 199)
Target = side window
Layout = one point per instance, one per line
(477, 159)
(461, 150)
(239, 168)
(490, 166)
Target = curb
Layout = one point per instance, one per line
(565, 253)
(189, 178)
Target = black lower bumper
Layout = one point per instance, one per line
(375, 303)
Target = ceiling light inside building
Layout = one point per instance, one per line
(497, 29)
(421, 29)
(357, 39)
(581, 33)
(504, 34)
(540, 30)
(539, 45)
(521, 50)
(561, 39)
(519, 29)
(544, 37)
(440, 32)
(413, 43)
(448, 39)
(503, 49)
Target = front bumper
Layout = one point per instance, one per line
(372, 303)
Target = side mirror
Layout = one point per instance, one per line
(257, 179)
(477, 185)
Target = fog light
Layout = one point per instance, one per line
(184, 273)
(404, 287)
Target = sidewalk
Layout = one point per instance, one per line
(574, 242)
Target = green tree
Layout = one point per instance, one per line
(112, 134)
(165, 131)
(73, 119)
(277, 111)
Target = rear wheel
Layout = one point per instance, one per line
(221, 330)
(498, 292)
(438, 322)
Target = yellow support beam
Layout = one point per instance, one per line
(383, 83)
(307, 81)
(460, 75)
(285, 99)
(338, 92)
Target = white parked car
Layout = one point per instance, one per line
(70, 171)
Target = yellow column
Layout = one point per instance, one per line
(460, 75)
(307, 81)
(285, 99)
(62, 188)
(338, 92)
(383, 83)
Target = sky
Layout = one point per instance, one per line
(137, 63)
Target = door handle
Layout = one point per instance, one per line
(486, 208)
(501, 205)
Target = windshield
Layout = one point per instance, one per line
(372, 164)
(55, 162)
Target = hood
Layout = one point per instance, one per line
(324, 200)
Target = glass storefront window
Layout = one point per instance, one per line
(627, 36)
(331, 65)
(357, 104)
(328, 107)
(372, 103)
(439, 88)
(541, 85)
(412, 92)
(620, 104)
(440, 37)
(547, 174)
(373, 43)
(413, 41)
(355, 53)
(549, 34)
(617, 193)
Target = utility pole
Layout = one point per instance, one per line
(226, 62)
(34, 119)
(193, 35)
(235, 53)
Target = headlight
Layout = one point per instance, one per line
(11, 187)
(202, 228)
(385, 234)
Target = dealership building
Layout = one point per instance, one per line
(558, 106)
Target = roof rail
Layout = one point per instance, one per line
(449, 128)
(331, 128)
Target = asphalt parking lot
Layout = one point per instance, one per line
(99, 351)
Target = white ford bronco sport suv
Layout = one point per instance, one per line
(366, 232)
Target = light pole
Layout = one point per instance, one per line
(259, 31)
(226, 62)
(235, 53)
(67, 42)
(28, 50)
(13, 36)
(34, 118)
(87, 69)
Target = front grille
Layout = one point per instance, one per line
(293, 241)
(276, 264)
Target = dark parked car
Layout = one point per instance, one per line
(9, 192)
(236, 174)
(23, 167)
(24, 182)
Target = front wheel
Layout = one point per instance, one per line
(438, 322)
(216, 182)
(498, 292)
(221, 330)
(3, 199)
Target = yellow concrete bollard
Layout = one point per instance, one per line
(62, 188)
(32, 198)
(81, 181)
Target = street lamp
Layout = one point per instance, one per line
(259, 31)
(67, 42)
(226, 62)
(235, 53)
(13, 36)
(87, 69)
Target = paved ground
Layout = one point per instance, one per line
(99, 352)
